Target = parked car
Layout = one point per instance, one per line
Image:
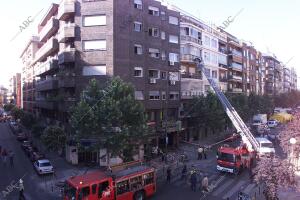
(34, 156)
(26, 144)
(272, 123)
(29, 150)
(43, 167)
(22, 137)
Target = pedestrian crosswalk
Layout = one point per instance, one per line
(221, 186)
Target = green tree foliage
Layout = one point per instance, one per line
(112, 116)
(28, 120)
(8, 107)
(17, 113)
(289, 99)
(54, 138)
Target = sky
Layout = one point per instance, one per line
(271, 25)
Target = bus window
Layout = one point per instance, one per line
(94, 188)
(85, 192)
(102, 187)
(136, 183)
(122, 187)
(148, 178)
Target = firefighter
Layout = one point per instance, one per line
(204, 184)
(200, 152)
(21, 190)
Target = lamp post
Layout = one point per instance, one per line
(293, 141)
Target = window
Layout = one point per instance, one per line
(102, 187)
(174, 76)
(163, 55)
(163, 15)
(206, 57)
(138, 49)
(154, 32)
(153, 53)
(94, 70)
(173, 20)
(163, 75)
(94, 188)
(214, 74)
(122, 187)
(206, 41)
(136, 183)
(85, 191)
(148, 178)
(153, 11)
(214, 43)
(163, 95)
(154, 95)
(153, 74)
(173, 57)
(138, 72)
(207, 72)
(163, 35)
(207, 88)
(173, 39)
(138, 95)
(137, 26)
(174, 95)
(94, 45)
(96, 20)
(138, 4)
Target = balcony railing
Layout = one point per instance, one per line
(222, 59)
(237, 90)
(66, 8)
(49, 47)
(50, 84)
(188, 57)
(236, 66)
(235, 78)
(47, 66)
(49, 29)
(187, 38)
(66, 56)
(66, 82)
(66, 31)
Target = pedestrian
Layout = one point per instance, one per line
(183, 172)
(169, 175)
(204, 152)
(162, 157)
(11, 158)
(21, 190)
(193, 181)
(204, 184)
(200, 151)
(4, 156)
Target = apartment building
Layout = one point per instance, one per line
(293, 80)
(14, 90)
(271, 64)
(28, 74)
(137, 40)
(3, 95)
(286, 79)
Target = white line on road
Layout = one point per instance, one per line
(234, 189)
(222, 187)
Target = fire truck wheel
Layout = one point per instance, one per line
(140, 195)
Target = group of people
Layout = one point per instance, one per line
(4, 155)
(202, 152)
(193, 180)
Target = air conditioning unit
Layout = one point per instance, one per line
(152, 80)
(172, 82)
(171, 63)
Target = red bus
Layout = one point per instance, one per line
(135, 183)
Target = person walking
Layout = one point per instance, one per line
(204, 153)
(169, 175)
(11, 158)
(200, 151)
(193, 181)
(21, 190)
(204, 184)
(183, 172)
(4, 156)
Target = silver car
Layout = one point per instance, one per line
(43, 167)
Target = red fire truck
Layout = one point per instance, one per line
(134, 183)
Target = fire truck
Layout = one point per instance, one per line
(134, 183)
(230, 159)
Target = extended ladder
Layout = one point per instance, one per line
(238, 123)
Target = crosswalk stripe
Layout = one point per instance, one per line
(222, 187)
(249, 188)
(234, 189)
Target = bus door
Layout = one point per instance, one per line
(105, 190)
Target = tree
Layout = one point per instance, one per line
(54, 138)
(28, 120)
(8, 107)
(112, 116)
(17, 113)
(274, 173)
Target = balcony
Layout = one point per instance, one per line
(237, 90)
(195, 76)
(46, 67)
(188, 58)
(67, 104)
(47, 49)
(191, 87)
(235, 78)
(66, 32)
(50, 84)
(66, 9)
(236, 67)
(66, 82)
(187, 38)
(222, 59)
(66, 56)
(49, 29)
(45, 104)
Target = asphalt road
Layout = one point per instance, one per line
(33, 184)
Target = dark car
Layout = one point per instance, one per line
(22, 137)
(29, 150)
(26, 143)
(35, 155)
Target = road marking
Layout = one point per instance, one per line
(212, 186)
(222, 187)
(234, 189)
(249, 188)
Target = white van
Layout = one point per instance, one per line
(265, 146)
